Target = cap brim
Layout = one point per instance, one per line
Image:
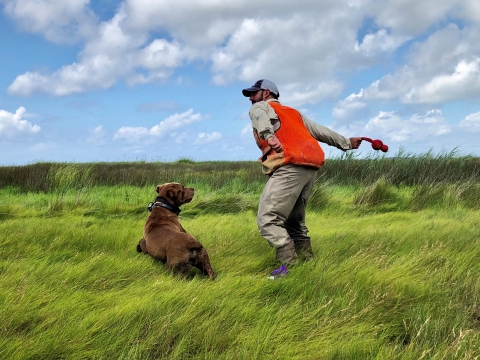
(247, 92)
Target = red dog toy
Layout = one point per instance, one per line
(377, 144)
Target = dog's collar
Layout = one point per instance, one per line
(161, 202)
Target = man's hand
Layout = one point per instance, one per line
(355, 141)
(275, 144)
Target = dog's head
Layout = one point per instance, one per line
(175, 193)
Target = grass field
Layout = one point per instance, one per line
(396, 273)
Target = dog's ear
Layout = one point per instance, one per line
(159, 187)
(173, 193)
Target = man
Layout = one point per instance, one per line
(291, 156)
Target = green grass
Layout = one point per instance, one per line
(403, 169)
(395, 276)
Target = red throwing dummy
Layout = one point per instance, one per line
(377, 144)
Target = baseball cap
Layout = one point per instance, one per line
(262, 84)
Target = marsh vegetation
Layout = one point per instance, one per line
(396, 274)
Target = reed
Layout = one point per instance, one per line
(402, 169)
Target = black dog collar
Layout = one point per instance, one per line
(159, 201)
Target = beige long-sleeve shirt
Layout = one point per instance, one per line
(265, 122)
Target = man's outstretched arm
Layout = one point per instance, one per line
(328, 136)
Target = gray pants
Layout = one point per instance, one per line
(281, 211)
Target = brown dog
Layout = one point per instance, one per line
(165, 239)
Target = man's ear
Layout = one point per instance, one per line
(266, 94)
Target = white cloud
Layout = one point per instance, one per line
(12, 125)
(179, 137)
(412, 17)
(97, 135)
(204, 138)
(112, 54)
(161, 53)
(237, 39)
(470, 10)
(299, 94)
(134, 134)
(131, 134)
(59, 21)
(410, 86)
(246, 132)
(303, 46)
(380, 42)
(200, 23)
(299, 52)
(471, 122)
(445, 67)
(390, 125)
(352, 105)
(463, 83)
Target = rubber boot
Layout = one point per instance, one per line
(304, 249)
(286, 254)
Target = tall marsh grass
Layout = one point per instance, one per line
(395, 273)
(402, 169)
(394, 285)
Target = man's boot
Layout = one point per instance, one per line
(286, 254)
(304, 249)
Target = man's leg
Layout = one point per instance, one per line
(276, 203)
(295, 224)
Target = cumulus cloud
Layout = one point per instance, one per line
(110, 55)
(411, 17)
(12, 125)
(462, 83)
(299, 52)
(411, 86)
(246, 132)
(303, 46)
(299, 94)
(237, 39)
(470, 10)
(135, 134)
(97, 135)
(380, 42)
(445, 67)
(204, 138)
(390, 125)
(59, 21)
(352, 105)
(179, 137)
(471, 122)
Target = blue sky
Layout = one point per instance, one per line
(157, 80)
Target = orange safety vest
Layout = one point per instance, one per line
(299, 146)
